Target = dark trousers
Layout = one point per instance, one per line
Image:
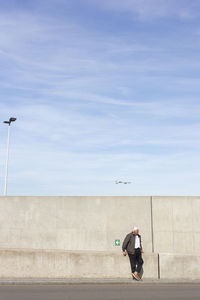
(136, 261)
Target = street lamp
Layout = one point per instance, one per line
(7, 156)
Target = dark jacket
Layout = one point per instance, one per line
(129, 243)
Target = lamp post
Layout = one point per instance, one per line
(7, 156)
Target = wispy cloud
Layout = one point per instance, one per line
(96, 101)
(147, 10)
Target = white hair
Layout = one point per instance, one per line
(135, 228)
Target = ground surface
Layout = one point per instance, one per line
(101, 292)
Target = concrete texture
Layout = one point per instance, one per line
(90, 281)
(80, 233)
(19, 263)
(93, 223)
(176, 225)
(72, 223)
(179, 266)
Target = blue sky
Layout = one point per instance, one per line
(102, 91)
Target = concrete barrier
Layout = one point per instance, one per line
(76, 236)
(72, 223)
(176, 225)
(177, 266)
(22, 263)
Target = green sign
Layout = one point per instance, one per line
(117, 242)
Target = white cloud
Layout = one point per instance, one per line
(152, 9)
(55, 150)
(94, 106)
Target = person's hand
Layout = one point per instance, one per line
(124, 253)
(142, 251)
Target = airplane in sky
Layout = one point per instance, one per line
(124, 182)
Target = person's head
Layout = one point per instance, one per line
(135, 230)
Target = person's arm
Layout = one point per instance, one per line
(125, 243)
(141, 245)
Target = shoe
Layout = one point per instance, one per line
(136, 276)
(133, 277)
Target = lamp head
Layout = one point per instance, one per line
(10, 121)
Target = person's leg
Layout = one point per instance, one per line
(132, 258)
(139, 260)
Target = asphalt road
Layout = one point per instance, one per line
(101, 292)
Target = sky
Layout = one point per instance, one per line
(102, 91)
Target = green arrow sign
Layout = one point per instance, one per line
(117, 242)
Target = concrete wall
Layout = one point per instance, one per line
(179, 266)
(176, 223)
(72, 223)
(18, 263)
(80, 233)
(93, 223)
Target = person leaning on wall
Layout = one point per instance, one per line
(133, 246)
